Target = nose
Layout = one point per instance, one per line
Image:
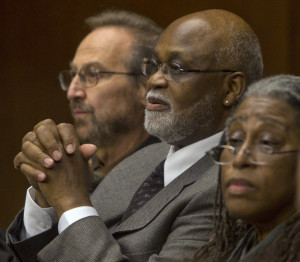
(157, 80)
(242, 157)
(76, 89)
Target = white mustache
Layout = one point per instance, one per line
(156, 95)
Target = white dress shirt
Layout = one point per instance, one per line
(37, 220)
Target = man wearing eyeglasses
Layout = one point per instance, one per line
(106, 88)
(198, 70)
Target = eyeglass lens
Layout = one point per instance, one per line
(88, 77)
(170, 71)
(225, 154)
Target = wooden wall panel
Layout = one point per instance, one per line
(294, 46)
(38, 39)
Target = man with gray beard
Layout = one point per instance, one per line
(173, 127)
(199, 69)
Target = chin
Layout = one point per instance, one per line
(238, 209)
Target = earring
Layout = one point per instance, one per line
(226, 102)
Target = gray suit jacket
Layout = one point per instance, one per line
(169, 227)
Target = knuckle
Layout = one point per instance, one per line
(31, 152)
(30, 136)
(50, 147)
(45, 122)
(25, 146)
(17, 160)
(41, 129)
(65, 126)
(67, 132)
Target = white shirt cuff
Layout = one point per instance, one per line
(37, 219)
(71, 216)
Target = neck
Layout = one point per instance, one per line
(263, 229)
(120, 147)
(198, 136)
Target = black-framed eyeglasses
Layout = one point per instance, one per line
(262, 154)
(172, 71)
(89, 76)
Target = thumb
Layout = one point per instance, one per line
(87, 150)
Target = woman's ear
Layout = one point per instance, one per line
(235, 87)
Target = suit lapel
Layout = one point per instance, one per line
(114, 193)
(153, 207)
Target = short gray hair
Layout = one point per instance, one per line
(283, 87)
(145, 31)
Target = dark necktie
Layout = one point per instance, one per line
(151, 185)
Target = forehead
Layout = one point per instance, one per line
(266, 110)
(189, 40)
(105, 45)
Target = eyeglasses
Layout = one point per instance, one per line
(262, 154)
(89, 76)
(171, 71)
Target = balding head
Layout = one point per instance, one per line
(232, 42)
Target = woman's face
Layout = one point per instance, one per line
(261, 194)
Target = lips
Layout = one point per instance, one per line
(79, 112)
(239, 186)
(79, 109)
(157, 104)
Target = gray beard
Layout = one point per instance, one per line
(101, 133)
(174, 127)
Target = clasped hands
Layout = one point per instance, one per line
(56, 166)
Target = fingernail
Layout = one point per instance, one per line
(48, 162)
(56, 155)
(70, 149)
(41, 177)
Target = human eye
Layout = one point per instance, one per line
(269, 143)
(72, 73)
(91, 75)
(150, 67)
(175, 68)
(236, 139)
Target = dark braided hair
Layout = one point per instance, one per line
(227, 232)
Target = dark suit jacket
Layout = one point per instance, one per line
(6, 254)
(169, 227)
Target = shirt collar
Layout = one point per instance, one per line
(179, 161)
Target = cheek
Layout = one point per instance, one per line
(280, 181)
(226, 172)
(182, 97)
(104, 96)
(101, 100)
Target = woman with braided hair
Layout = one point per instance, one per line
(256, 211)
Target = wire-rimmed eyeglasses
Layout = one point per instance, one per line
(262, 154)
(89, 76)
(172, 71)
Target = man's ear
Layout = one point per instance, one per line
(235, 87)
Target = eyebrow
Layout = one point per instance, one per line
(93, 63)
(272, 121)
(262, 118)
(171, 55)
